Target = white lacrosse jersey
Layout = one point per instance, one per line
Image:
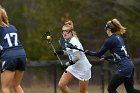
(82, 68)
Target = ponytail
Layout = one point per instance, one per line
(69, 24)
(121, 29)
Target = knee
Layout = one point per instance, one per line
(61, 85)
(6, 90)
(15, 87)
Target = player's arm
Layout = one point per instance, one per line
(75, 58)
(96, 54)
(103, 49)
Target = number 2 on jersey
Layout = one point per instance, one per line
(8, 37)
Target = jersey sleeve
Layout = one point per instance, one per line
(106, 46)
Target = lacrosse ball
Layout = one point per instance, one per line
(48, 37)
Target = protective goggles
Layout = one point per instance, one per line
(67, 31)
(111, 26)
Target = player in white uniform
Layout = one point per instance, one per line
(78, 65)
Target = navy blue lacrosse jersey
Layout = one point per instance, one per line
(9, 40)
(116, 45)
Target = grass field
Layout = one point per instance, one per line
(74, 89)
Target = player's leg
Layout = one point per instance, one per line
(116, 80)
(17, 80)
(129, 84)
(20, 68)
(6, 80)
(83, 86)
(64, 80)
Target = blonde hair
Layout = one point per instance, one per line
(121, 29)
(3, 17)
(69, 22)
(70, 25)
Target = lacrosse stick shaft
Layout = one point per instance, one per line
(56, 53)
(79, 49)
(71, 46)
(48, 38)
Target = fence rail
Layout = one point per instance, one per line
(55, 64)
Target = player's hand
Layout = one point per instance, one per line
(102, 58)
(64, 67)
(59, 52)
(1, 48)
(87, 52)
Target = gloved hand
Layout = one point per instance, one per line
(1, 48)
(102, 58)
(87, 52)
(64, 67)
(59, 52)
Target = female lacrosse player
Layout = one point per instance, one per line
(12, 54)
(125, 66)
(78, 65)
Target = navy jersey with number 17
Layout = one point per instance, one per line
(9, 37)
(9, 41)
(12, 56)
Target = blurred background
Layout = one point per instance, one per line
(35, 17)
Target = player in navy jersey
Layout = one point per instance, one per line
(125, 67)
(12, 56)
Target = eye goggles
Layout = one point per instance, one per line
(67, 31)
(111, 26)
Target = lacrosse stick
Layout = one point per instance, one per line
(71, 46)
(48, 37)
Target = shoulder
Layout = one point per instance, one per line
(110, 41)
(74, 40)
(113, 38)
(12, 26)
(8, 27)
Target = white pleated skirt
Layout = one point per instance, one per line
(80, 75)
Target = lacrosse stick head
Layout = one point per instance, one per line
(47, 36)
